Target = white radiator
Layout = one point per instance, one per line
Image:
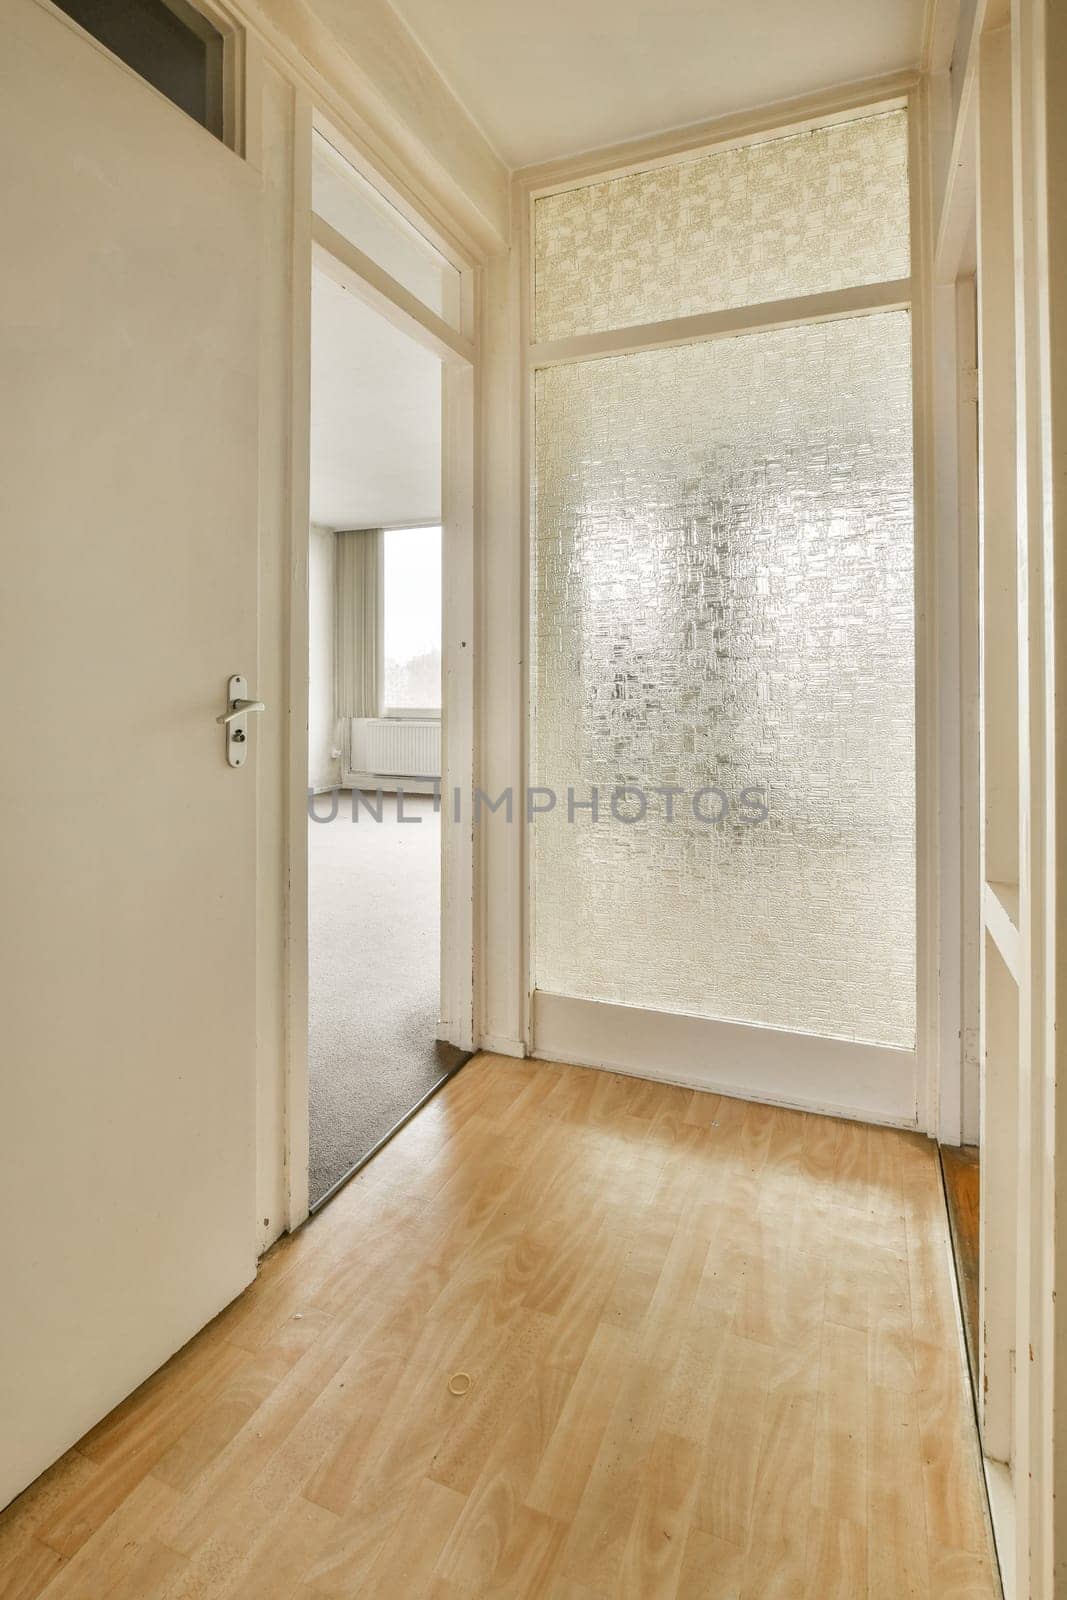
(396, 747)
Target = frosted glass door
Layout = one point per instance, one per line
(723, 606)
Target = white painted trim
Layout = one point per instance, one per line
(401, 527)
(843, 103)
(996, 872)
(522, 224)
(933, 961)
(497, 1045)
(840, 1077)
(349, 266)
(1034, 1416)
(1001, 1496)
(439, 240)
(954, 251)
(371, 782)
(460, 509)
(829, 306)
(362, 82)
(954, 256)
(502, 616)
(953, 536)
(944, 1110)
(939, 31)
(996, 1474)
(998, 1269)
(297, 1127)
(1001, 908)
(315, 242)
(1037, 1213)
(964, 849)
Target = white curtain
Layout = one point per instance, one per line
(358, 636)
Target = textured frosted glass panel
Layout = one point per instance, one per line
(802, 215)
(723, 596)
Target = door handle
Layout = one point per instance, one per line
(235, 720)
(238, 708)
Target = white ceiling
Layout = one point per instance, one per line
(547, 78)
(375, 417)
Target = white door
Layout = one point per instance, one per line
(128, 337)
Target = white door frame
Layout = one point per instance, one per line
(683, 1045)
(317, 244)
(1003, 132)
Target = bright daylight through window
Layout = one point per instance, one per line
(413, 621)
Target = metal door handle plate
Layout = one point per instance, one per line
(235, 720)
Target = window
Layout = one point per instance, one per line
(168, 43)
(413, 622)
(723, 593)
(791, 216)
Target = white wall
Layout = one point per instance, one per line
(324, 769)
(375, 416)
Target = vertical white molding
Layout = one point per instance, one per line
(936, 686)
(270, 101)
(999, 777)
(943, 1103)
(1037, 1473)
(1054, 279)
(501, 901)
(962, 734)
(522, 224)
(461, 512)
(296, 1087)
(458, 653)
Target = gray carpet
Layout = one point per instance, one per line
(373, 957)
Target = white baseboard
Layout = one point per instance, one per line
(371, 782)
(835, 1077)
(1002, 1515)
(496, 1044)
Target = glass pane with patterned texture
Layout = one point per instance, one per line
(723, 602)
(800, 215)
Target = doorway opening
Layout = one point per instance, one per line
(379, 1039)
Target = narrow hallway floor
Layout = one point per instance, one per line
(374, 969)
(713, 1352)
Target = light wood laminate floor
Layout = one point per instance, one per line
(714, 1354)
